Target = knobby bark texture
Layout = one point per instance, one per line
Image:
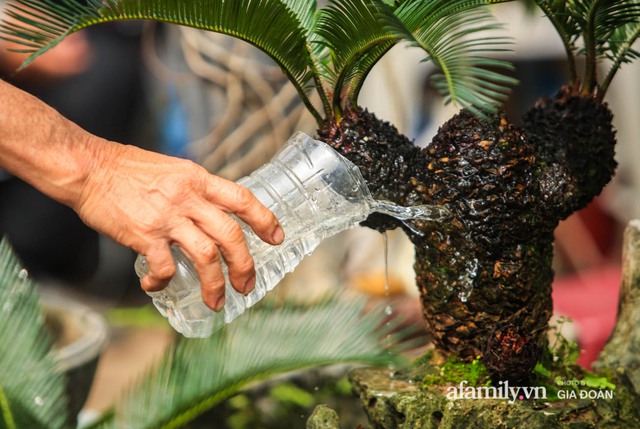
(485, 275)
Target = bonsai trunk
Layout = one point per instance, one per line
(485, 276)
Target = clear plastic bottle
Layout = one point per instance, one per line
(315, 193)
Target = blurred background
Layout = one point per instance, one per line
(225, 105)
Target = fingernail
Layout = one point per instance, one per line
(249, 285)
(278, 235)
(220, 304)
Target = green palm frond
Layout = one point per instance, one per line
(455, 35)
(606, 29)
(620, 50)
(350, 28)
(599, 19)
(275, 27)
(304, 10)
(195, 375)
(307, 13)
(32, 390)
(558, 14)
(602, 15)
(616, 23)
(334, 47)
(360, 32)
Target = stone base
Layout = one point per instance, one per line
(396, 403)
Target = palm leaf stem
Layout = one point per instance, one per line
(589, 83)
(618, 62)
(358, 81)
(326, 103)
(348, 68)
(306, 100)
(566, 42)
(318, 55)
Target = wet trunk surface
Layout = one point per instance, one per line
(485, 276)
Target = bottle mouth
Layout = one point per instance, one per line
(360, 190)
(343, 176)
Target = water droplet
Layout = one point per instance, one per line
(23, 274)
(39, 401)
(468, 171)
(472, 268)
(387, 287)
(423, 212)
(467, 279)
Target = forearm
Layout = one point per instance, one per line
(141, 199)
(43, 148)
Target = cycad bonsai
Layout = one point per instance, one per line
(484, 277)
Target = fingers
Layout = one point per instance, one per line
(203, 252)
(228, 235)
(161, 268)
(193, 213)
(237, 199)
(200, 237)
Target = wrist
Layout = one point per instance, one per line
(91, 159)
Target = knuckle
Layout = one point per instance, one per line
(151, 285)
(164, 272)
(212, 291)
(244, 266)
(245, 199)
(231, 231)
(207, 251)
(153, 225)
(176, 188)
(169, 184)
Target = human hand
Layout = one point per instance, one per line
(149, 201)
